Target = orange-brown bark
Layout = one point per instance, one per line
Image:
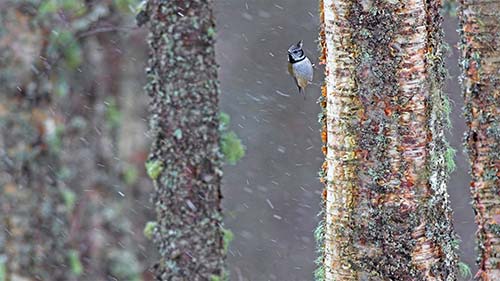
(480, 35)
(386, 216)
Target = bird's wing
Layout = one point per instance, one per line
(301, 82)
(310, 72)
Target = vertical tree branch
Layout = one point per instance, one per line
(480, 38)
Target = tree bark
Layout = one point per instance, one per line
(100, 228)
(185, 162)
(33, 214)
(480, 38)
(387, 215)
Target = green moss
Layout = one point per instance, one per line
(69, 198)
(227, 237)
(464, 270)
(53, 6)
(232, 148)
(224, 120)
(154, 169)
(47, 7)
(215, 278)
(130, 175)
(446, 107)
(149, 229)
(231, 145)
(450, 159)
(75, 263)
(223, 277)
(113, 114)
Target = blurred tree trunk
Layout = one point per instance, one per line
(101, 229)
(62, 75)
(33, 214)
(185, 162)
(387, 215)
(480, 41)
(97, 223)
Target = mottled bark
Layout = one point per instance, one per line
(387, 215)
(185, 162)
(480, 41)
(33, 214)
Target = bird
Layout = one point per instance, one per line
(300, 67)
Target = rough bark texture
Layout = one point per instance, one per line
(33, 214)
(480, 41)
(387, 215)
(185, 160)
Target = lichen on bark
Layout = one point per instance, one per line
(184, 91)
(387, 215)
(480, 65)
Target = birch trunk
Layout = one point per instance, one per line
(480, 41)
(387, 215)
(185, 162)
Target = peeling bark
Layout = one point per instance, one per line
(185, 162)
(480, 38)
(387, 215)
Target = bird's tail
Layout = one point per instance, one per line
(302, 91)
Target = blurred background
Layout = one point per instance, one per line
(271, 197)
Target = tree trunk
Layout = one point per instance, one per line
(185, 162)
(387, 215)
(100, 228)
(480, 36)
(33, 214)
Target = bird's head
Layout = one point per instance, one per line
(295, 52)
